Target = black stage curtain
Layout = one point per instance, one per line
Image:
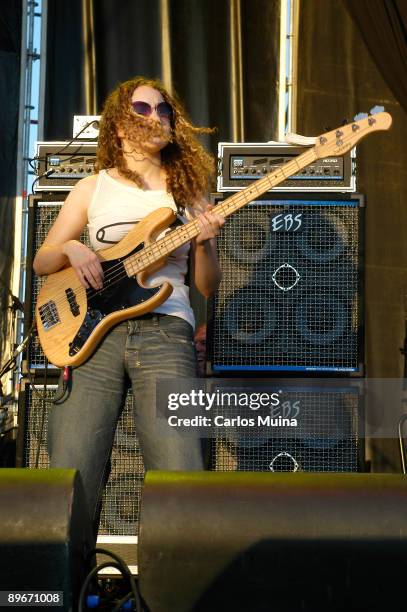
(383, 26)
(261, 43)
(338, 78)
(64, 94)
(127, 41)
(10, 45)
(201, 63)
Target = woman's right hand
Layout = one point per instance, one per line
(85, 263)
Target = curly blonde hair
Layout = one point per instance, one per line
(189, 168)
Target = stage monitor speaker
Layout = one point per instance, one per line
(45, 536)
(121, 499)
(291, 295)
(280, 542)
(43, 209)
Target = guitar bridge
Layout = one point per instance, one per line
(49, 315)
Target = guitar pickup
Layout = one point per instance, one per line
(73, 304)
(49, 315)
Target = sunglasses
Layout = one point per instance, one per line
(163, 109)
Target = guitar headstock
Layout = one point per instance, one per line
(345, 137)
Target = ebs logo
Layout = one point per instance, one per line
(286, 222)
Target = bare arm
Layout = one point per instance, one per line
(205, 264)
(62, 247)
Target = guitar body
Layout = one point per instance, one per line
(72, 320)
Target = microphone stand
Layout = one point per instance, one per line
(10, 364)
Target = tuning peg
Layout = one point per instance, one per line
(327, 128)
(376, 109)
(344, 121)
(360, 116)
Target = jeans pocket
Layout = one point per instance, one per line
(177, 330)
(175, 338)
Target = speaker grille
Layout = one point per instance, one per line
(289, 298)
(327, 438)
(121, 499)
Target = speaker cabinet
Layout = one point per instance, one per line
(328, 436)
(121, 499)
(291, 295)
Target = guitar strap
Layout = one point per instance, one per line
(178, 221)
(181, 212)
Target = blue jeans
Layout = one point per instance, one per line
(82, 426)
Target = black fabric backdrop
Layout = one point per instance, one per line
(383, 26)
(10, 43)
(128, 42)
(64, 92)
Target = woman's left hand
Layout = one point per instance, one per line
(210, 224)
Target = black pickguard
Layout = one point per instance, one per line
(119, 292)
(117, 295)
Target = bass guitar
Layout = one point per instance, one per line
(72, 320)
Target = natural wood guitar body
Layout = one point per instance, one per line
(71, 320)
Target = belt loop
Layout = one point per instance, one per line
(132, 326)
(156, 320)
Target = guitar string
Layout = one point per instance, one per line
(239, 199)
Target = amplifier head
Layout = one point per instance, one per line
(62, 164)
(242, 163)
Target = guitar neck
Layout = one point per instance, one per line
(247, 195)
(176, 238)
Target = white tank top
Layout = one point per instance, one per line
(114, 210)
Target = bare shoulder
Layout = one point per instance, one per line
(73, 215)
(81, 195)
(87, 184)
